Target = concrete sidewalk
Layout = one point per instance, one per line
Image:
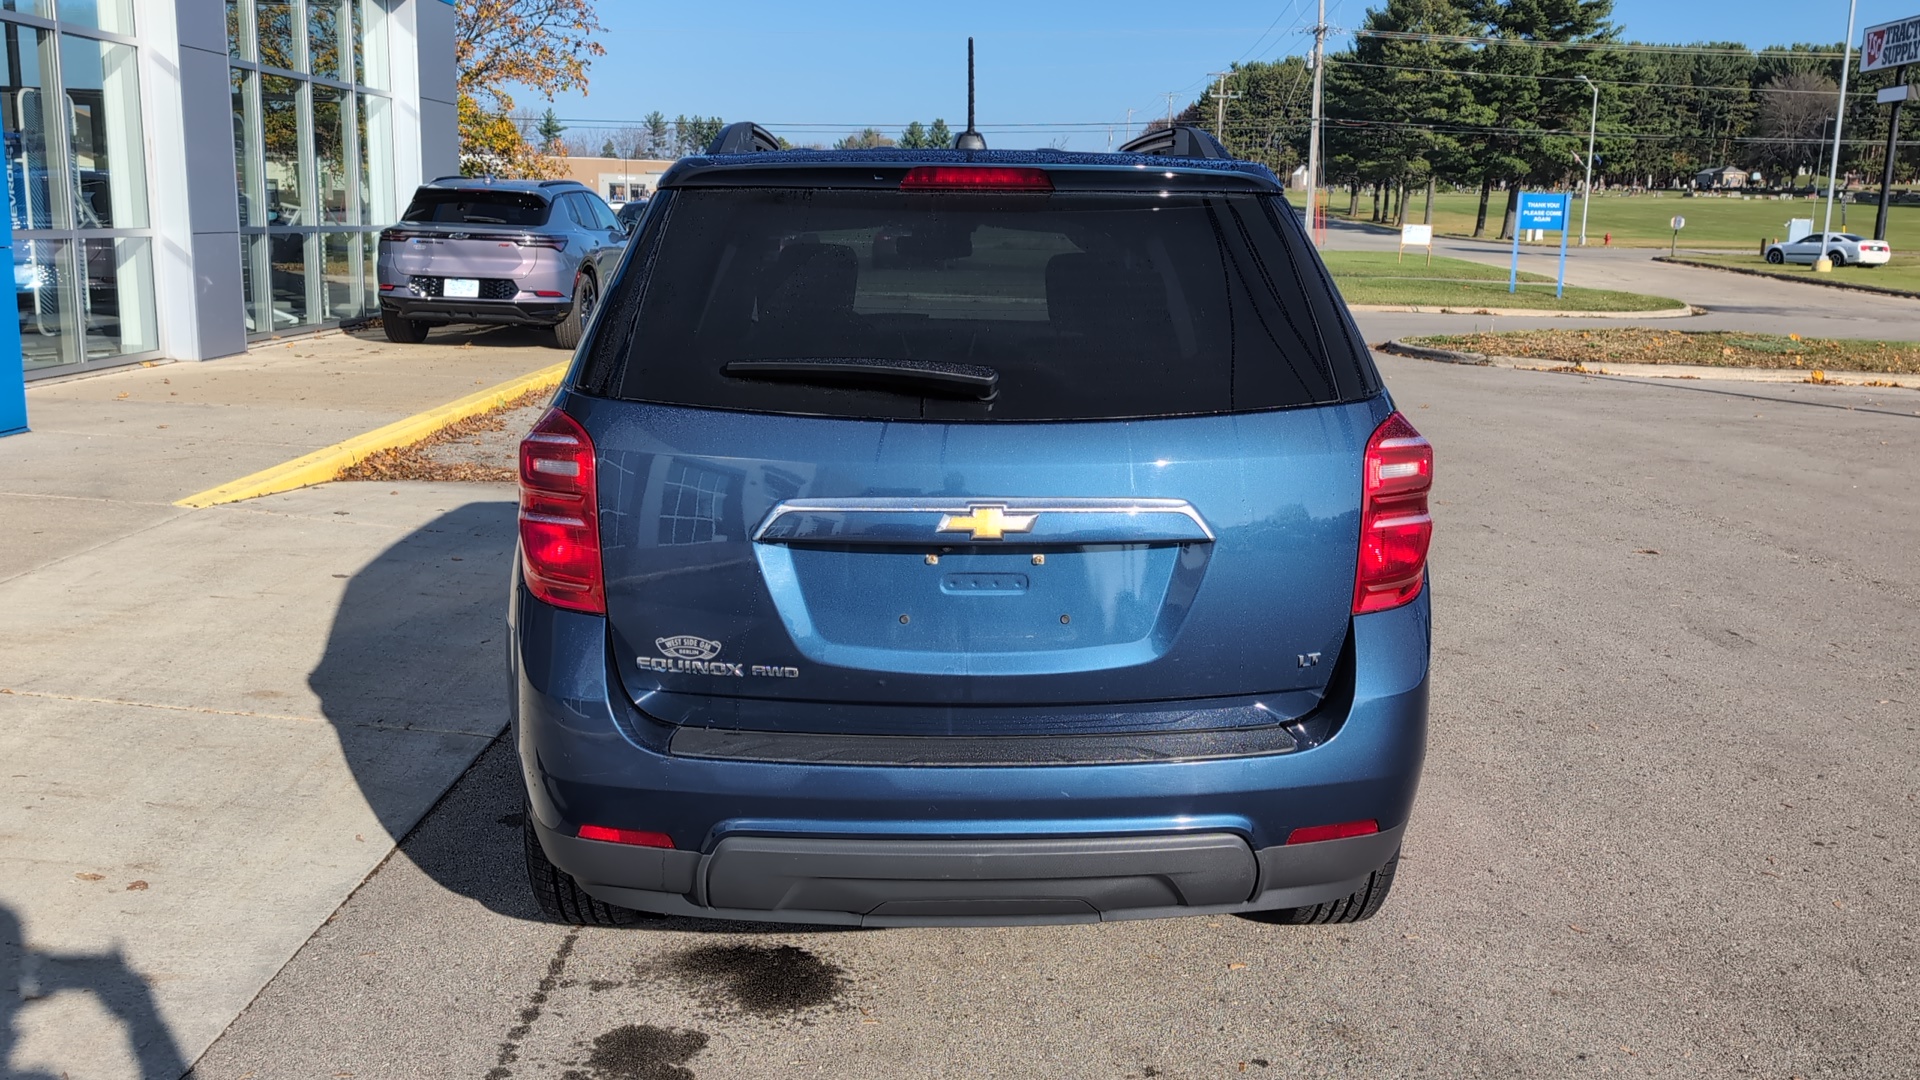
(215, 723)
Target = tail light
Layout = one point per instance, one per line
(559, 516)
(1395, 528)
(395, 236)
(538, 240)
(631, 837)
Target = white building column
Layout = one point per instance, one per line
(426, 127)
(190, 177)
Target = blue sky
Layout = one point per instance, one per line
(1062, 70)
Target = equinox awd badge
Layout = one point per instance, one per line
(687, 654)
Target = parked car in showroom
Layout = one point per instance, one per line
(498, 252)
(1067, 564)
(1845, 249)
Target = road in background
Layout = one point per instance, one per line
(1668, 826)
(1733, 301)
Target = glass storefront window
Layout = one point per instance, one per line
(114, 16)
(119, 296)
(370, 53)
(30, 113)
(42, 8)
(239, 30)
(280, 150)
(376, 161)
(105, 161)
(287, 276)
(329, 27)
(330, 120)
(42, 270)
(313, 161)
(340, 271)
(274, 21)
(246, 151)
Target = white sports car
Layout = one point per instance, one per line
(1845, 249)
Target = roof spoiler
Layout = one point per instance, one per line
(744, 137)
(1180, 140)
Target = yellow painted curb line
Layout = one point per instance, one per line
(327, 463)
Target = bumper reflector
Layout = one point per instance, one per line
(632, 837)
(1314, 833)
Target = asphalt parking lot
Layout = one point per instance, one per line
(1667, 826)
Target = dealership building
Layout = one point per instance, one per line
(187, 176)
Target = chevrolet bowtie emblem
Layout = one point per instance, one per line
(988, 522)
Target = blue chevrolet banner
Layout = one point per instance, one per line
(13, 365)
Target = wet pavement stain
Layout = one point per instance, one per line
(510, 1046)
(763, 980)
(641, 1052)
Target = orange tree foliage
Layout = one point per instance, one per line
(544, 45)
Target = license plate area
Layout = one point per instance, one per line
(460, 288)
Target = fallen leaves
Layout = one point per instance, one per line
(136, 886)
(83, 876)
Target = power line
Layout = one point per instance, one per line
(1603, 82)
(1590, 46)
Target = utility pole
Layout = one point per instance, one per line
(1593, 123)
(1129, 135)
(1220, 99)
(1839, 117)
(1313, 133)
(1171, 94)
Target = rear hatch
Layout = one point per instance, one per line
(470, 234)
(1075, 450)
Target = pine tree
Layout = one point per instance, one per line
(550, 130)
(938, 137)
(915, 137)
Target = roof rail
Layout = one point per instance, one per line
(745, 137)
(1180, 140)
(561, 183)
(451, 179)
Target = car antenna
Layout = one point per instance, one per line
(970, 139)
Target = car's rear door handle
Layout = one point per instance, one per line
(945, 522)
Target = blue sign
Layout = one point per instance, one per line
(1541, 211)
(13, 363)
(1538, 211)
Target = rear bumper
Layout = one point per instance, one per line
(872, 844)
(830, 881)
(498, 312)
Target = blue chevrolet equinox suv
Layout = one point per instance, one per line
(970, 537)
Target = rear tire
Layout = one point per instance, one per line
(1837, 257)
(1776, 256)
(568, 331)
(403, 331)
(1348, 909)
(560, 897)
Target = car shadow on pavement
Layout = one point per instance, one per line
(27, 976)
(480, 337)
(417, 649)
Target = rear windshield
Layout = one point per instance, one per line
(1085, 305)
(478, 208)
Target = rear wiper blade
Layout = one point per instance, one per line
(482, 219)
(906, 376)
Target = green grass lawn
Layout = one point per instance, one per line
(1710, 348)
(1641, 220)
(1902, 274)
(1376, 277)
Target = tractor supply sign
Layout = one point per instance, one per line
(1891, 45)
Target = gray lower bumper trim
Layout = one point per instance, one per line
(970, 882)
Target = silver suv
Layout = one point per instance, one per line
(502, 252)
